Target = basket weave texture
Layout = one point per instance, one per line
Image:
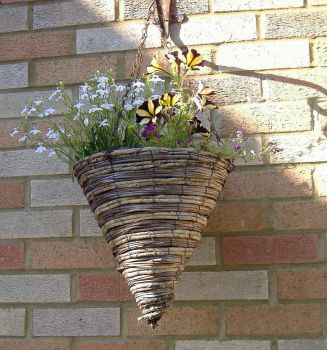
(152, 205)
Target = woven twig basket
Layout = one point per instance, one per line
(152, 205)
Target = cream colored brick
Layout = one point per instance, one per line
(34, 288)
(205, 252)
(16, 101)
(12, 322)
(308, 147)
(302, 344)
(35, 224)
(321, 53)
(226, 285)
(13, 75)
(88, 225)
(28, 162)
(133, 9)
(320, 176)
(214, 29)
(295, 85)
(243, 5)
(266, 117)
(74, 12)
(56, 193)
(266, 55)
(319, 2)
(76, 322)
(13, 18)
(295, 24)
(120, 37)
(222, 345)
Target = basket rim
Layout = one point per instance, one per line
(125, 151)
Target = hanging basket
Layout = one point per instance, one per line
(152, 205)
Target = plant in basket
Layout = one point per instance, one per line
(150, 163)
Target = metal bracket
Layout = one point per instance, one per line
(170, 16)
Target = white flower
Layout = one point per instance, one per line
(156, 79)
(138, 84)
(154, 97)
(55, 94)
(75, 117)
(86, 121)
(94, 109)
(52, 135)
(79, 105)
(108, 106)
(102, 79)
(22, 138)
(24, 111)
(128, 107)
(51, 153)
(31, 110)
(138, 101)
(38, 101)
(119, 87)
(104, 122)
(48, 111)
(83, 96)
(35, 130)
(40, 148)
(102, 92)
(85, 88)
(14, 132)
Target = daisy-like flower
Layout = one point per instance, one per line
(108, 106)
(198, 128)
(85, 88)
(155, 67)
(48, 111)
(156, 79)
(35, 130)
(148, 112)
(52, 135)
(31, 110)
(24, 111)
(102, 80)
(128, 107)
(138, 84)
(203, 98)
(192, 59)
(14, 132)
(104, 122)
(79, 105)
(55, 94)
(169, 100)
(40, 148)
(94, 109)
(86, 121)
(138, 101)
(22, 138)
(120, 87)
(38, 101)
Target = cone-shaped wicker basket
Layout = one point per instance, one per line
(152, 205)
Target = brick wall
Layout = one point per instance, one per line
(258, 280)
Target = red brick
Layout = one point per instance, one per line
(34, 345)
(71, 255)
(301, 215)
(12, 194)
(32, 45)
(177, 321)
(6, 127)
(11, 256)
(229, 217)
(268, 184)
(72, 70)
(270, 249)
(132, 345)
(110, 286)
(308, 284)
(273, 320)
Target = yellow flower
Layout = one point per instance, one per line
(192, 59)
(155, 67)
(198, 128)
(169, 100)
(148, 112)
(203, 98)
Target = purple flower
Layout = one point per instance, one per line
(238, 147)
(240, 132)
(150, 131)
